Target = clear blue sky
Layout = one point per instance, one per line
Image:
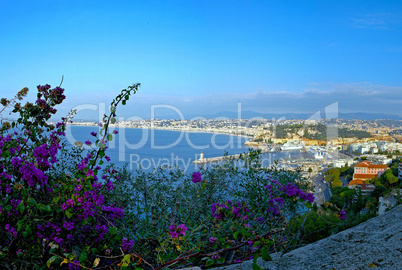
(206, 56)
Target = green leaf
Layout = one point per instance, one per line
(113, 120)
(236, 234)
(112, 230)
(126, 260)
(243, 232)
(265, 255)
(31, 201)
(21, 207)
(69, 256)
(209, 262)
(40, 206)
(83, 257)
(127, 97)
(308, 204)
(123, 102)
(49, 262)
(68, 214)
(109, 137)
(255, 266)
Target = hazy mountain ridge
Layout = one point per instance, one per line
(286, 116)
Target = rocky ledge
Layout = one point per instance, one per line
(374, 244)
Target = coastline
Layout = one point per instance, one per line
(168, 129)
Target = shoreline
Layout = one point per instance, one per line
(167, 129)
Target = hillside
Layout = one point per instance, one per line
(317, 132)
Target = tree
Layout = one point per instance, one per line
(337, 183)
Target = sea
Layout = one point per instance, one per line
(151, 148)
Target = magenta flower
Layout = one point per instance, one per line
(182, 229)
(174, 234)
(196, 177)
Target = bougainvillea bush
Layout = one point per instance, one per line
(48, 217)
(65, 208)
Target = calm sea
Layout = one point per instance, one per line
(150, 148)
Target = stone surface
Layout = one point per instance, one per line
(374, 244)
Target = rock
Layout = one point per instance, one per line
(390, 201)
(376, 243)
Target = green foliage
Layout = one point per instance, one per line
(314, 226)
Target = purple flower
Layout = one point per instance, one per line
(90, 172)
(64, 206)
(88, 143)
(115, 132)
(310, 197)
(197, 177)
(247, 225)
(107, 158)
(68, 225)
(74, 266)
(174, 234)
(126, 245)
(182, 229)
(94, 133)
(58, 240)
(342, 215)
(212, 239)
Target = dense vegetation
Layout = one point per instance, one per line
(317, 132)
(66, 208)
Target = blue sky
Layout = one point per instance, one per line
(206, 56)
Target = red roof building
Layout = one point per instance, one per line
(365, 171)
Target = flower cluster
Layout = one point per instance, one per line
(220, 211)
(196, 177)
(55, 210)
(175, 231)
(127, 245)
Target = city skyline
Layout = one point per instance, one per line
(285, 57)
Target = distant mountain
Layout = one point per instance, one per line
(301, 116)
(369, 116)
(271, 116)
